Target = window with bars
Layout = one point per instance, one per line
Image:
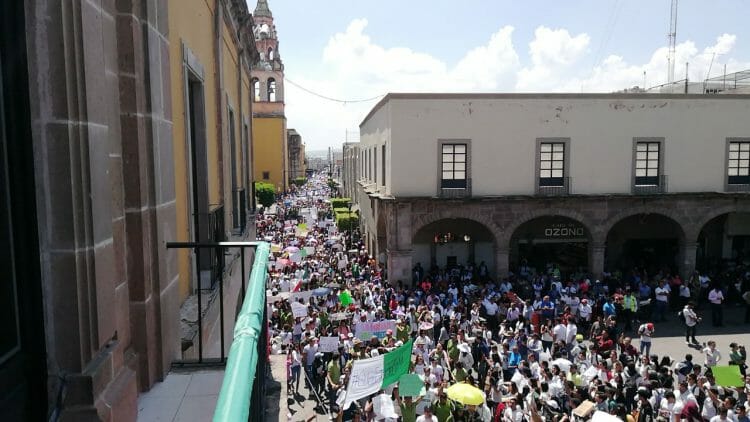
(551, 164)
(454, 166)
(738, 164)
(647, 159)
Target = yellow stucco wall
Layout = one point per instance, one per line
(269, 138)
(191, 23)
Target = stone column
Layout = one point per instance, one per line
(596, 258)
(687, 258)
(399, 266)
(502, 264)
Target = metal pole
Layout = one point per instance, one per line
(200, 314)
(242, 268)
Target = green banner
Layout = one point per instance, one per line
(396, 363)
(728, 376)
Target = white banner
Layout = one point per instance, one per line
(366, 378)
(328, 344)
(299, 310)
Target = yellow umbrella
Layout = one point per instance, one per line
(465, 394)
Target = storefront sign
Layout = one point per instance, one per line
(564, 231)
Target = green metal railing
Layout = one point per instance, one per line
(242, 380)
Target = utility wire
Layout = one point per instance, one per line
(336, 100)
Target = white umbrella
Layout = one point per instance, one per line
(291, 249)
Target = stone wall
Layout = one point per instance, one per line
(502, 216)
(105, 192)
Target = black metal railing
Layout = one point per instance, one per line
(200, 345)
(216, 234)
(456, 192)
(735, 187)
(560, 187)
(658, 186)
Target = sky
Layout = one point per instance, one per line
(352, 50)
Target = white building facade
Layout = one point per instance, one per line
(587, 180)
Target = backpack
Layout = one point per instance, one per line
(681, 316)
(684, 368)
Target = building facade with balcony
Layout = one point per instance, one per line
(588, 181)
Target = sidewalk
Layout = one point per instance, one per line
(292, 408)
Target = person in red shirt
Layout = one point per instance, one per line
(604, 344)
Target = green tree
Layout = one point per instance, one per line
(266, 193)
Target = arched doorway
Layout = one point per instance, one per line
(723, 239)
(454, 242)
(546, 240)
(649, 241)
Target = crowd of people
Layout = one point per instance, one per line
(539, 346)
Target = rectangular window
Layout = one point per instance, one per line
(382, 162)
(375, 164)
(453, 164)
(552, 164)
(647, 159)
(738, 164)
(266, 175)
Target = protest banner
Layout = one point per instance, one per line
(370, 375)
(328, 344)
(304, 295)
(365, 330)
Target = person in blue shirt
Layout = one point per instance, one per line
(609, 308)
(513, 360)
(548, 308)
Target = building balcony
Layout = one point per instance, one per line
(455, 192)
(558, 186)
(652, 186)
(224, 374)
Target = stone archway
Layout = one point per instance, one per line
(451, 242)
(646, 239)
(557, 240)
(723, 237)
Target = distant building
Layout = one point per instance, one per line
(270, 156)
(588, 181)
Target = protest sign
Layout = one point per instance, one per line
(328, 344)
(728, 376)
(410, 385)
(304, 295)
(365, 330)
(299, 310)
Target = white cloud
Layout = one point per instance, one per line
(357, 67)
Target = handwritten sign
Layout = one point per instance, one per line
(328, 344)
(299, 310)
(365, 330)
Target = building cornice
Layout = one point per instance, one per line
(547, 96)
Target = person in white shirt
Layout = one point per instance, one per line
(584, 311)
(691, 321)
(559, 331)
(716, 297)
(662, 301)
(713, 356)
